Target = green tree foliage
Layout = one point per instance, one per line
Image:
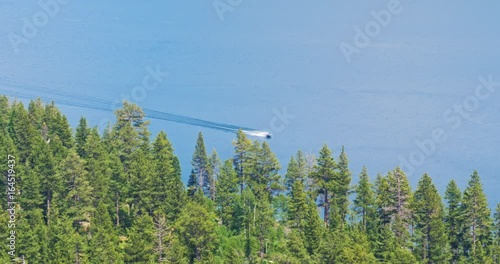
(99, 167)
(428, 211)
(196, 228)
(104, 240)
(32, 238)
(341, 188)
(454, 220)
(198, 180)
(140, 241)
(227, 195)
(165, 185)
(477, 219)
(81, 135)
(213, 169)
(76, 198)
(356, 248)
(364, 203)
(118, 197)
(496, 245)
(324, 177)
(241, 160)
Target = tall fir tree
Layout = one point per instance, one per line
(32, 238)
(198, 180)
(242, 146)
(341, 189)
(454, 220)
(430, 232)
(196, 230)
(496, 244)
(477, 218)
(166, 187)
(265, 180)
(81, 134)
(213, 169)
(364, 203)
(76, 198)
(227, 195)
(324, 177)
(99, 168)
(140, 241)
(103, 245)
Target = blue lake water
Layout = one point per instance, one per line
(267, 57)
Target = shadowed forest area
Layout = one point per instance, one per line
(80, 196)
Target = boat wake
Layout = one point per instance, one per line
(28, 91)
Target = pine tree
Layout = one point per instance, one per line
(227, 194)
(128, 137)
(292, 173)
(324, 177)
(341, 188)
(213, 169)
(265, 180)
(141, 169)
(62, 239)
(356, 249)
(104, 241)
(431, 239)
(242, 146)
(44, 164)
(477, 217)
(496, 245)
(400, 194)
(82, 132)
(140, 241)
(297, 248)
(199, 174)
(196, 230)
(364, 203)
(298, 207)
(454, 220)
(58, 128)
(163, 241)
(77, 196)
(32, 237)
(297, 170)
(5, 111)
(263, 222)
(36, 112)
(99, 168)
(388, 250)
(165, 185)
(21, 131)
(314, 229)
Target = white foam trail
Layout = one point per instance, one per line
(256, 133)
